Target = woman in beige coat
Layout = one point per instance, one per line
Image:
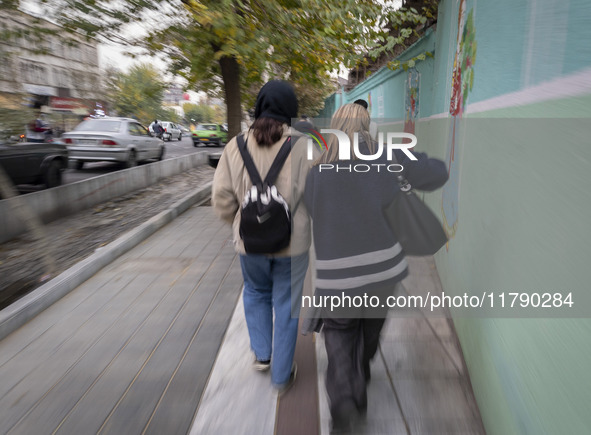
(273, 281)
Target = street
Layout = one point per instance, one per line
(173, 149)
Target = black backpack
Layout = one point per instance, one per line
(265, 219)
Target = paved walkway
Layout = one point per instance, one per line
(156, 343)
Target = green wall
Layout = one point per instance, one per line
(518, 204)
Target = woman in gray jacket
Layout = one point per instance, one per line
(357, 253)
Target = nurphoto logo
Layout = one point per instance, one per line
(344, 144)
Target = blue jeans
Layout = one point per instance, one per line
(273, 284)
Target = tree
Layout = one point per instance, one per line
(198, 113)
(137, 93)
(233, 46)
(301, 41)
(219, 114)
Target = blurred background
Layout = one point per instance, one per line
(499, 90)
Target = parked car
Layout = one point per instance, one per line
(208, 134)
(171, 130)
(214, 159)
(114, 140)
(34, 163)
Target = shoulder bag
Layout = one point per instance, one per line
(418, 230)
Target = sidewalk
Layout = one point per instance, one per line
(156, 343)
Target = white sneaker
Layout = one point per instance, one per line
(261, 366)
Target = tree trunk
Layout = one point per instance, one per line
(231, 77)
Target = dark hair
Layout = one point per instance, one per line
(267, 131)
(361, 103)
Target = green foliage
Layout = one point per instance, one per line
(165, 114)
(406, 23)
(219, 114)
(410, 63)
(137, 94)
(12, 121)
(302, 41)
(198, 113)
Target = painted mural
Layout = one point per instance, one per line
(411, 101)
(462, 82)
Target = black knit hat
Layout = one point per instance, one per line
(361, 103)
(276, 100)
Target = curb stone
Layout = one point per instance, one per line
(26, 308)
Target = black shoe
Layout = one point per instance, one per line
(351, 422)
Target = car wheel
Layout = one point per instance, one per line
(131, 159)
(79, 164)
(195, 144)
(161, 155)
(53, 174)
(180, 136)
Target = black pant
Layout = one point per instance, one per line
(350, 344)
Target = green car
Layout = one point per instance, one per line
(209, 134)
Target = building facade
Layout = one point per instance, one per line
(45, 70)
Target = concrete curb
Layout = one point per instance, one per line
(23, 310)
(58, 202)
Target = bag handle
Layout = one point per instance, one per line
(275, 168)
(403, 183)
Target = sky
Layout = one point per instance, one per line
(110, 54)
(114, 55)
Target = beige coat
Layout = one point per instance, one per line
(231, 182)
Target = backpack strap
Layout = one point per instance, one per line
(275, 168)
(254, 175)
(278, 162)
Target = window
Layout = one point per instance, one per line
(33, 73)
(133, 129)
(58, 49)
(136, 129)
(61, 78)
(143, 130)
(6, 68)
(99, 125)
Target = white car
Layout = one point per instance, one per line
(113, 140)
(171, 131)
